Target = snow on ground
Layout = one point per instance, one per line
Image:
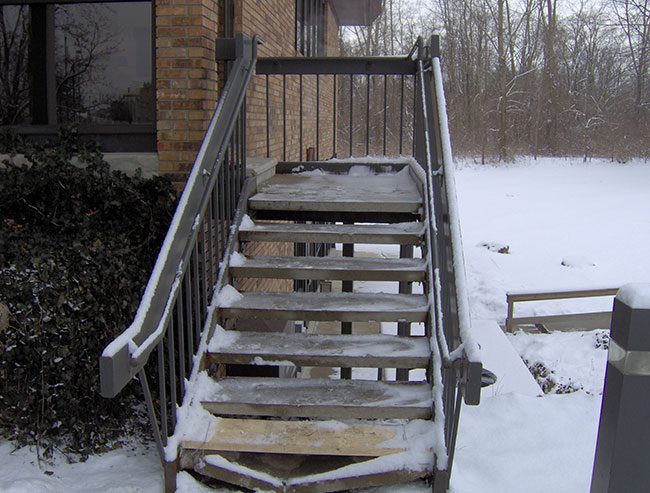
(130, 470)
(563, 224)
(593, 216)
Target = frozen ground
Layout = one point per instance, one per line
(592, 218)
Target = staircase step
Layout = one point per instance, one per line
(346, 307)
(319, 398)
(410, 233)
(353, 438)
(371, 351)
(252, 473)
(330, 268)
(322, 192)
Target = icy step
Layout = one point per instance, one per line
(372, 351)
(409, 233)
(386, 193)
(254, 474)
(347, 307)
(351, 438)
(331, 268)
(319, 398)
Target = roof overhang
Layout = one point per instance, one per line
(356, 12)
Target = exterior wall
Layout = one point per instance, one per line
(186, 80)
(275, 23)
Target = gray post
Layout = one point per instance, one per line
(623, 449)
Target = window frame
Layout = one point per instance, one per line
(114, 137)
(310, 27)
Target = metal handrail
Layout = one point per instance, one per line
(123, 358)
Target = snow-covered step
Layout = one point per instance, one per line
(318, 398)
(372, 351)
(322, 192)
(409, 233)
(329, 268)
(347, 307)
(254, 475)
(351, 438)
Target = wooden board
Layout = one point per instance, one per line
(338, 193)
(262, 477)
(372, 351)
(332, 268)
(348, 307)
(410, 233)
(302, 438)
(319, 398)
(592, 320)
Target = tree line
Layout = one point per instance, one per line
(534, 77)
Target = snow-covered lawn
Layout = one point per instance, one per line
(565, 224)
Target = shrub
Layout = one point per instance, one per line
(76, 248)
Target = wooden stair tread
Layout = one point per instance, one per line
(256, 475)
(380, 307)
(323, 192)
(319, 398)
(409, 233)
(356, 438)
(376, 351)
(330, 268)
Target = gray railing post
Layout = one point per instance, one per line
(623, 448)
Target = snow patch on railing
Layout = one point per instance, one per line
(465, 324)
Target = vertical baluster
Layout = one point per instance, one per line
(367, 115)
(415, 92)
(401, 115)
(300, 120)
(385, 109)
(284, 117)
(162, 391)
(190, 321)
(222, 211)
(210, 278)
(180, 335)
(242, 146)
(351, 85)
(317, 116)
(268, 124)
(204, 269)
(198, 316)
(172, 371)
(334, 116)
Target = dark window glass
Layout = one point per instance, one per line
(103, 63)
(309, 27)
(15, 82)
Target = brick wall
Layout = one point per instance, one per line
(186, 80)
(275, 23)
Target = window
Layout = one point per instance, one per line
(310, 27)
(89, 64)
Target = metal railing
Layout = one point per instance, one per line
(449, 321)
(175, 310)
(402, 113)
(362, 105)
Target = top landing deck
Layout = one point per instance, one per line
(359, 191)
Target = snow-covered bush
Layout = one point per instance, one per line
(76, 248)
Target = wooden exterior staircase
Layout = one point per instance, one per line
(333, 426)
(230, 402)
